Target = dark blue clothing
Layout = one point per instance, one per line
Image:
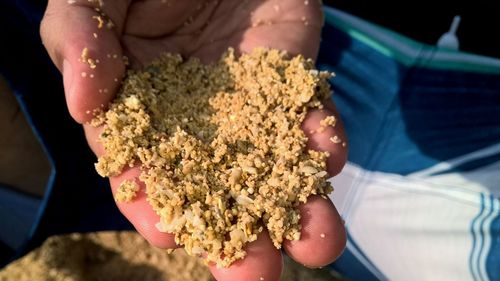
(77, 199)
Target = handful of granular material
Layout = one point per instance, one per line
(220, 146)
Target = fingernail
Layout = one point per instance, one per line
(67, 77)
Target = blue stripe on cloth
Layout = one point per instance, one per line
(353, 264)
(471, 165)
(472, 269)
(483, 259)
(475, 221)
(404, 119)
(493, 258)
(482, 233)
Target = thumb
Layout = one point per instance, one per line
(82, 39)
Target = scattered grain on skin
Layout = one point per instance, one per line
(110, 24)
(91, 63)
(261, 278)
(71, 2)
(100, 21)
(276, 8)
(84, 58)
(335, 139)
(322, 235)
(91, 75)
(84, 55)
(219, 156)
(95, 35)
(344, 144)
(257, 22)
(84, 74)
(306, 2)
(328, 121)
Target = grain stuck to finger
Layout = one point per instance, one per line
(335, 139)
(222, 153)
(84, 58)
(328, 121)
(127, 191)
(100, 21)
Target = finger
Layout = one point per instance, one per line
(90, 77)
(140, 213)
(262, 262)
(92, 136)
(332, 139)
(270, 18)
(323, 235)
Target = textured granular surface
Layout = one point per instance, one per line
(220, 146)
(127, 191)
(114, 256)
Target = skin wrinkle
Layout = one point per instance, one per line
(217, 24)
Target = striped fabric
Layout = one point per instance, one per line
(420, 193)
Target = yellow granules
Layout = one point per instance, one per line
(221, 148)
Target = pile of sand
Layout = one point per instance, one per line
(109, 256)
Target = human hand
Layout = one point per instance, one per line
(204, 29)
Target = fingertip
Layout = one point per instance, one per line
(91, 86)
(262, 262)
(89, 57)
(140, 213)
(323, 236)
(331, 138)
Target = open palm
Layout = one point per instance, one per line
(205, 29)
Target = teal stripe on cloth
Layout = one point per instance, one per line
(405, 50)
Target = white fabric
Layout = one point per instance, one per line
(418, 227)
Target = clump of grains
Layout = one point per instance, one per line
(221, 148)
(328, 121)
(127, 191)
(323, 124)
(84, 58)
